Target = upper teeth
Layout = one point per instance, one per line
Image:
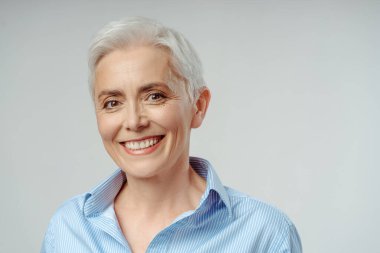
(141, 144)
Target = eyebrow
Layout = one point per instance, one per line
(115, 93)
(144, 88)
(150, 86)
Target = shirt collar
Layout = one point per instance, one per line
(205, 170)
(103, 195)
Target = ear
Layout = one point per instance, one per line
(201, 105)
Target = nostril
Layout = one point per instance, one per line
(135, 122)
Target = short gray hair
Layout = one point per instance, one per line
(184, 61)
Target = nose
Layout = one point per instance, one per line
(135, 119)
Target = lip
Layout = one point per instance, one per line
(143, 151)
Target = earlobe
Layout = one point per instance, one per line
(201, 106)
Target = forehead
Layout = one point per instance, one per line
(133, 61)
(133, 67)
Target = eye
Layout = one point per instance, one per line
(156, 97)
(111, 104)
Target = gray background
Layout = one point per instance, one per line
(294, 118)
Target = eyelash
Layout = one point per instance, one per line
(161, 96)
(110, 104)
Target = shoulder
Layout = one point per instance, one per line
(70, 208)
(245, 205)
(262, 220)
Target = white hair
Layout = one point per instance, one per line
(184, 61)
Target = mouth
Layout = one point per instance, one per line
(142, 146)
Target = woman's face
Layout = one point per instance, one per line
(145, 126)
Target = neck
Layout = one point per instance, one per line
(171, 194)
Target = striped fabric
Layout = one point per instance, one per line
(225, 221)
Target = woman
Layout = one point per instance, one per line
(148, 91)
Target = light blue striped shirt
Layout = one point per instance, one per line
(225, 221)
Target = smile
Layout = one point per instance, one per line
(144, 144)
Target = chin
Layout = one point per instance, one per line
(142, 168)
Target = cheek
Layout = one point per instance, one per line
(107, 127)
(173, 117)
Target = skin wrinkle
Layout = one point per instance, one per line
(118, 93)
